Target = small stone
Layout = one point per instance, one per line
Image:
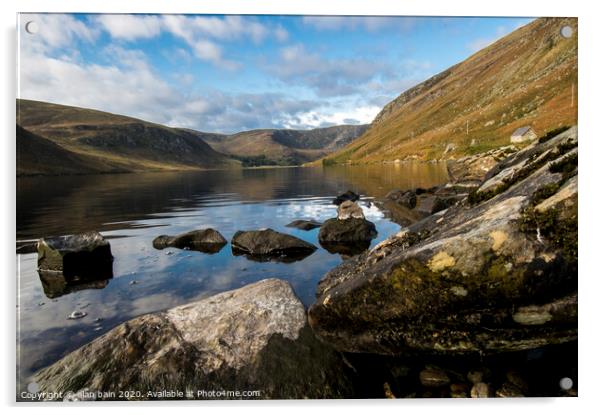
(516, 379)
(169, 253)
(388, 393)
(508, 390)
(474, 376)
(480, 390)
(433, 378)
(349, 210)
(133, 282)
(77, 315)
(458, 390)
(41, 303)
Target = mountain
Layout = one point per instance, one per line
(102, 142)
(527, 78)
(284, 147)
(49, 135)
(39, 156)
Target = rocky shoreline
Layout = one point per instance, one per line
(473, 298)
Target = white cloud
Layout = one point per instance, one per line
(339, 77)
(128, 85)
(336, 115)
(123, 81)
(199, 32)
(327, 76)
(55, 31)
(129, 26)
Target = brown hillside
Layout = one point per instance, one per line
(116, 140)
(283, 146)
(529, 77)
(39, 156)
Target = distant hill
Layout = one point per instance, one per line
(529, 77)
(39, 156)
(284, 147)
(103, 142)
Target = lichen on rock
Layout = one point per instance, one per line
(481, 277)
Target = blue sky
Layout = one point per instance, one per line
(234, 73)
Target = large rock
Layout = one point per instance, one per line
(474, 168)
(77, 257)
(204, 240)
(409, 206)
(255, 338)
(352, 230)
(495, 273)
(406, 198)
(268, 244)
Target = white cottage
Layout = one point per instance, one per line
(523, 134)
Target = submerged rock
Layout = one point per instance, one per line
(253, 338)
(491, 274)
(347, 196)
(268, 244)
(304, 225)
(203, 240)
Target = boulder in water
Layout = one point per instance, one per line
(255, 338)
(203, 240)
(348, 195)
(353, 230)
(85, 256)
(268, 244)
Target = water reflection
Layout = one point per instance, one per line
(56, 284)
(133, 209)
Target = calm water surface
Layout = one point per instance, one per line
(132, 209)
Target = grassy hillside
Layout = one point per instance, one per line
(526, 78)
(285, 147)
(38, 156)
(114, 141)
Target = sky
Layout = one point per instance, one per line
(231, 73)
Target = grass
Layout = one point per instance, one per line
(509, 84)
